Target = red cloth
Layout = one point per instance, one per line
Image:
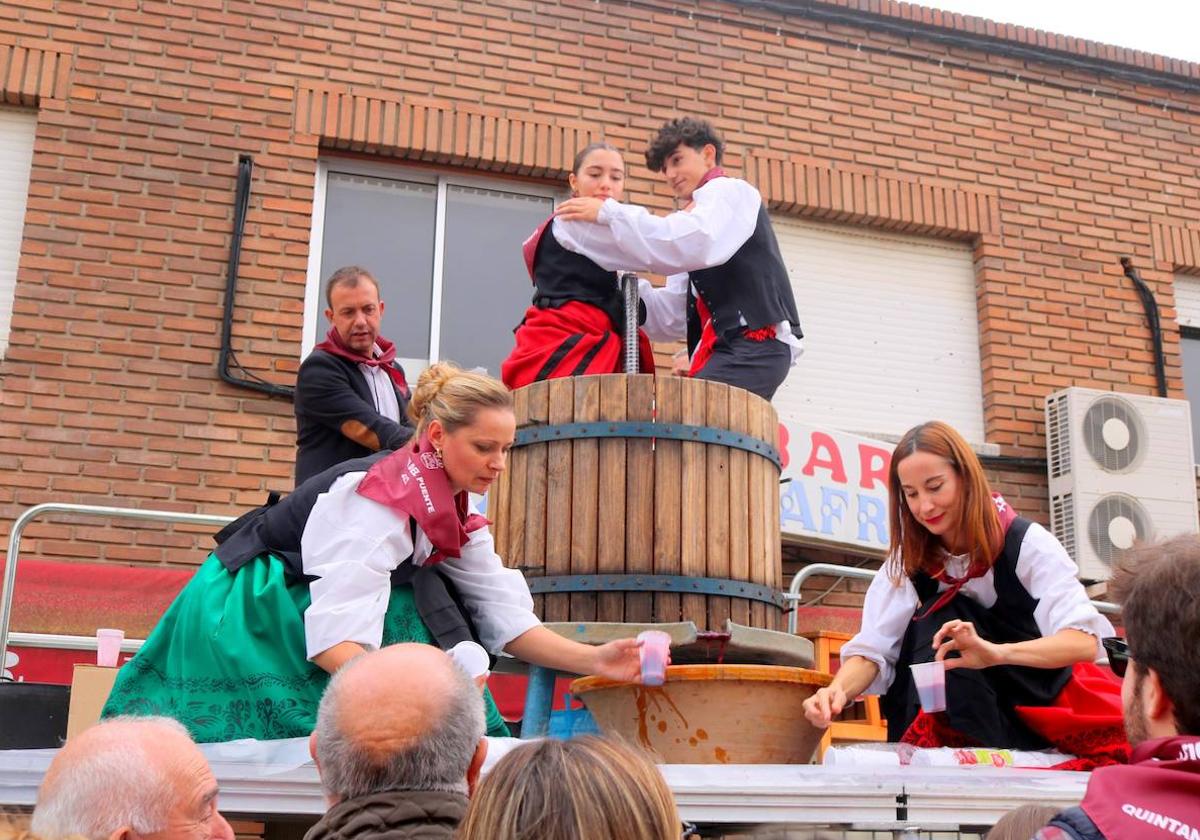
(334, 345)
(1085, 721)
(413, 482)
(1157, 795)
(575, 339)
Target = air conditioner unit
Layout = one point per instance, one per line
(1121, 471)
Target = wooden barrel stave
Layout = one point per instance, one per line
(640, 505)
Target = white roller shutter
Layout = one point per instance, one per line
(1187, 300)
(16, 157)
(891, 331)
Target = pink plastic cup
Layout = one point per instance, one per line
(108, 646)
(655, 651)
(473, 659)
(930, 679)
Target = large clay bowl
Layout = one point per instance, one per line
(712, 714)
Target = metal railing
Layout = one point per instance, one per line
(50, 640)
(793, 593)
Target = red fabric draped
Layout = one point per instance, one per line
(1085, 721)
(576, 339)
(334, 345)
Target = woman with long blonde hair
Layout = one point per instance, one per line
(969, 583)
(370, 552)
(587, 788)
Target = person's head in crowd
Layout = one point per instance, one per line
(130, 778)
(1158, 588)
(469, 420)
(598, 172)
(1022, 822)
(402, 718)
(14, 827)
(355, 309)
(586, 788)
(939, 498)
(684, 151)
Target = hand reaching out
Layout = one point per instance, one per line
(974, 651)
(823, 705)
(619, 660)
(579, 209)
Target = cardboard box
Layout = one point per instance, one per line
(90, 686)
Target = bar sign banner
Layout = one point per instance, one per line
(838, 490)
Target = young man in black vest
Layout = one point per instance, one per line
(727, 290)
(351, 395)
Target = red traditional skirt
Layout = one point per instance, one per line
(1085, 721)
(575, 339)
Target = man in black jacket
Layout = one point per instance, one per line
(398, 744)
(351, 395)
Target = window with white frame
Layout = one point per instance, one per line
(891, 331)
(445, 248)
(1187, 308)
(17, 129)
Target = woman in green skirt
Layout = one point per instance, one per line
(371, 552)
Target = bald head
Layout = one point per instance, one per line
(401, 718)
(130, 778)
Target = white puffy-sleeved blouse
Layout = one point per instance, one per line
(1043, 567)
(352, 544)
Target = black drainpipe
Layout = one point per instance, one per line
(228, 358)
(1150, 305)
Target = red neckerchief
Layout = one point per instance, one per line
(413, 482)
(334, 345)
(1007, 515)
(1156, 795)
(530, 245)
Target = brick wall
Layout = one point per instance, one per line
(110, 390)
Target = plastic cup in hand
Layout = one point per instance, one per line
(473, 659)
(930, 679)
(108, 647)
(655, 651)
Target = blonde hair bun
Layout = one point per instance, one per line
(453, 396)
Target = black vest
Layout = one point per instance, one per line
(980, 703)
(277, 527)
(561, 276)
(752, 285)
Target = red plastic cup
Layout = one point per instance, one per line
(655, 652)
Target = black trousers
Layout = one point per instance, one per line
(758, 366)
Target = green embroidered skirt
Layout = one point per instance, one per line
(228, 658)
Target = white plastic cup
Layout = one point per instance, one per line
(655, 651)
(473, 659)
(108, 646)
(930, 679)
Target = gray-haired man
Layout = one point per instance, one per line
(398, 744)
(130, 778)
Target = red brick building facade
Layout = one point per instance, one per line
(1049, 157)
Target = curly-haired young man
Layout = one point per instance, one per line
(727, 291)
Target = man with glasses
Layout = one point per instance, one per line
(1158, 793)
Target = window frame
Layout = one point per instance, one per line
(442, 180)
